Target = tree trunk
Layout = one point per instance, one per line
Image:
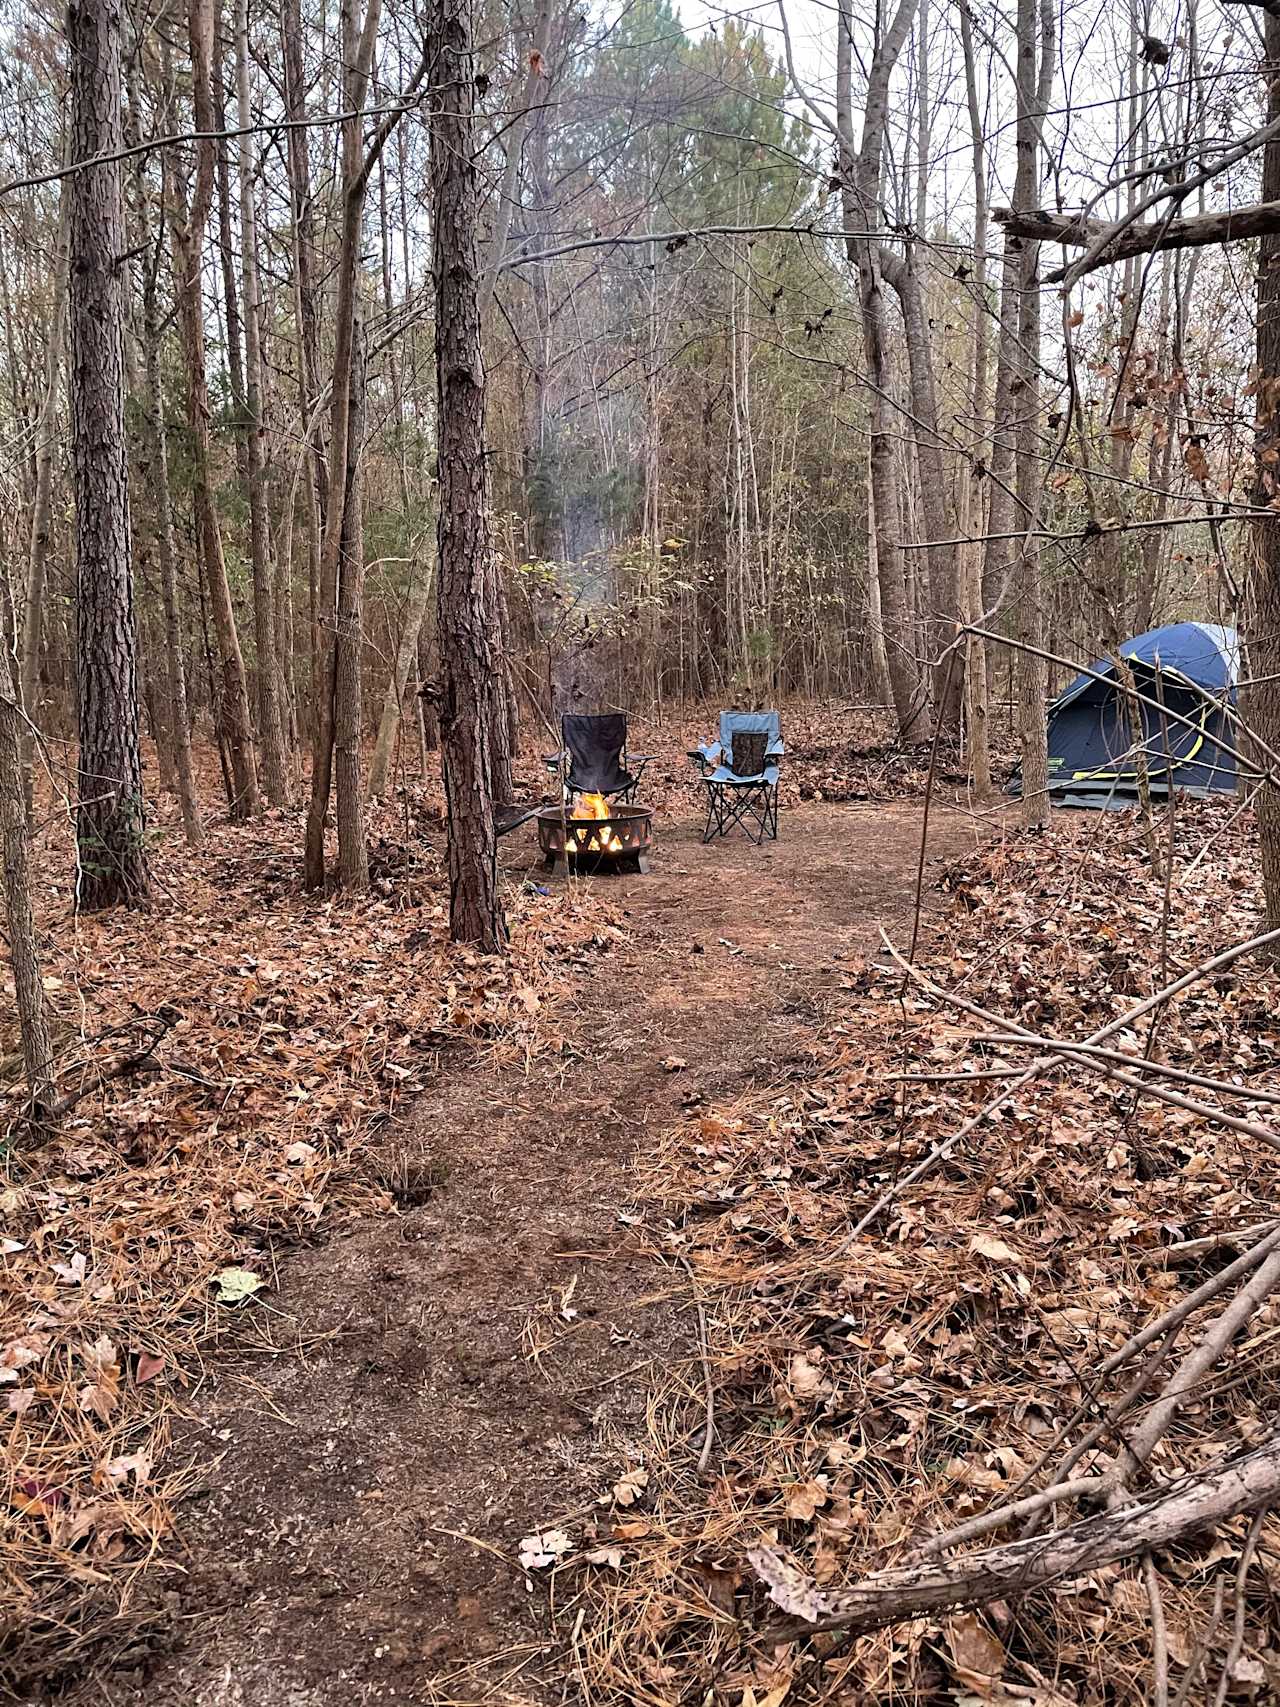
(162, 498)
(860, 174)
(348, 720)
(1262, 631)
(33, 1026)
(42, 505)
(187, 224)
(316, 497)
(1033, 98)
(977, 689)
(464, 617)
(944, 577)
(270, 722)
(393, 705)
(339, 611)
(110, 849)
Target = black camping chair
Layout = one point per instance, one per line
(594, 758)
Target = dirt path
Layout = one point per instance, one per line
(364, 1498)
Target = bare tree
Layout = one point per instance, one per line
(24, 957)
(188, 220)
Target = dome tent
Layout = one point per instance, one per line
(1190, 667)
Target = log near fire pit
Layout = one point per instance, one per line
(591, 835)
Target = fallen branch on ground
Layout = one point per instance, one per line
(1248, 1483)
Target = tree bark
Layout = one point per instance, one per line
(42, 505)
(24, 957)
(1262, 601)
(467, 643)
(393, 705)
(348, 719)
(1247, 1483)
(1261, 219)
(316, 498)
(1035, 72)
(339, 611)
(187, 224)
(860, 174)
(944, 576)
(162, 498)
(110, 849)
(270, 722)
(977, 685)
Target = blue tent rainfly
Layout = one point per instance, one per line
(1187, 675)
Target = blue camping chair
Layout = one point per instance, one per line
(740, 773)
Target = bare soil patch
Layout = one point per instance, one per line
(439, 1383)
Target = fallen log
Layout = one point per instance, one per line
(1247, 1483)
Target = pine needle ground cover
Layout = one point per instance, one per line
(870, 1391)
(241, 1057)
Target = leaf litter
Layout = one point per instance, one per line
(294, 1031)
(869, 1395)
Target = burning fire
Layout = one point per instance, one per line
(596, 806)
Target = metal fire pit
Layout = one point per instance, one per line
(619, 842)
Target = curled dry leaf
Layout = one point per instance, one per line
(804, 1499)
(629, 1487)
(101, 1394)
(546, 1548)
(986, 1245)
(806, 1378)
(19, 1352)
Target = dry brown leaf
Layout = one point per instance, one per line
(628, 1488)
(977, 1657)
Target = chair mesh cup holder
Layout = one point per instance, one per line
(749, 749)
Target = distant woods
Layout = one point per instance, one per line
(754, 397)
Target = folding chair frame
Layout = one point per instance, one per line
(744, 804)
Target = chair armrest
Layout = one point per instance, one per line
(553, 761)
(639, 758)
(775, 750)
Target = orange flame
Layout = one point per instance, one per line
(596, 806)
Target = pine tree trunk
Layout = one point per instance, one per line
(109, 815)
(465, 625)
